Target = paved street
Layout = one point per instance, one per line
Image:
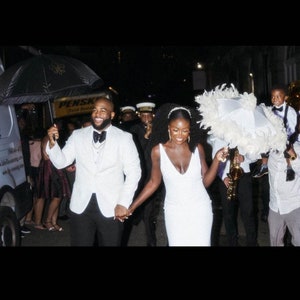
(41, 238)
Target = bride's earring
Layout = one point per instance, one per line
(189, 138)
(169, 135)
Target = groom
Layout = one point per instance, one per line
(107, 175)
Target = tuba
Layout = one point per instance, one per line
(235, 173)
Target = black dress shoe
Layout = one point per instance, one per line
(290, 174)
(65, 217)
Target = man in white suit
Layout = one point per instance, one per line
(107, 175)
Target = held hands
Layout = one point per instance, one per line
(53, 135)
(122, 213)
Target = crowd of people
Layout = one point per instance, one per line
(119, 167)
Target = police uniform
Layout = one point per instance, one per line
(148, 211)
(145, 107)
(127, 117)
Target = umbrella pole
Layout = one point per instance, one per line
(50, 112)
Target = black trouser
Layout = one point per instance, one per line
(244, 201)
(91, 223)
(149, 218)
(148, 213)
(265, 194)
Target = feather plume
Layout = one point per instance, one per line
(254, 129)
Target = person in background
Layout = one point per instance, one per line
(289, 116)
(52, 186)
(149, 210)
(86, 121)
(24, 135)
(284, 206)
(128, 118)
(70, 173)
(35, 160)
(179, 159)
(107, 175)
(243, 200)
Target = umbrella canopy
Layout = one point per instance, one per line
(46, 77)
(236, 119)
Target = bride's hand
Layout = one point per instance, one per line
(222, 154)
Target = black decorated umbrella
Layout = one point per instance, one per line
(46, 77)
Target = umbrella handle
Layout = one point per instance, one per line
(53, 136)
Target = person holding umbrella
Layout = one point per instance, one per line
(234, 119)
(107, 175)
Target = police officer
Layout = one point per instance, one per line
(127, 117)
(149, 210)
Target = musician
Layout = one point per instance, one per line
(243, 199)
(149, 210)
(128, 117)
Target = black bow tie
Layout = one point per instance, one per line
(277, 108)
(99, 137)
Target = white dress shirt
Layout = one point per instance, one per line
(291, 118)
(284, 195)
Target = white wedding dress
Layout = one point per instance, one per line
(187, 206)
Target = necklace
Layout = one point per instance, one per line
(97, 145)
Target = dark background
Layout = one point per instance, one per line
(137, 72)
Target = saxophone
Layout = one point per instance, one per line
(235, 173)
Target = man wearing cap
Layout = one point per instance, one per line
(127, 117)
(141, 134)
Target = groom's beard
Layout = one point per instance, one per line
(103, 125)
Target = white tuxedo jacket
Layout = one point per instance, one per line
(114, 181)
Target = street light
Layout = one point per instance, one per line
(199, 66)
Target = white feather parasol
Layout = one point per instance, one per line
(236, 119)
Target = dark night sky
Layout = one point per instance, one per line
(136, 71)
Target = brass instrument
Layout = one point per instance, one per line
(235, 173)
(148, 130)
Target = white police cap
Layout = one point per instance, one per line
(145, 106)
(126, 109)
